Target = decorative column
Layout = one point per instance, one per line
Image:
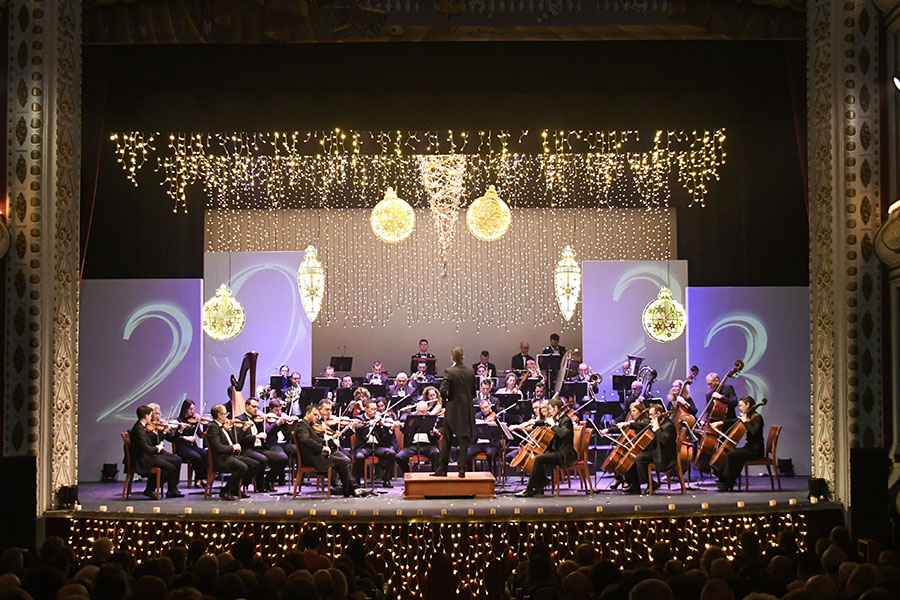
(43, 187)
(844, 205)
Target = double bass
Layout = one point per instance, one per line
(732, 438)
(715, 410)
(681, 415)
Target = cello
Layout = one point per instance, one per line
(640, 443)
(732, 438)
(537, 443)
(621, 448)
(715, 410)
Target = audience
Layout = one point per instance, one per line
(831, 570)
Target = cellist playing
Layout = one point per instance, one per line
(754, 447)
(660, 452)
(561, 450)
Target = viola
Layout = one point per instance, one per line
(715, 410)
(733, 437)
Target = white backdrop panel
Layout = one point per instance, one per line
(614, 296)
(767, 328)
(140, 341)
(277, 327)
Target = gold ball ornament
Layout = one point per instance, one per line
(488, 217)
(393, 219)
(222, 316)
(664, 319)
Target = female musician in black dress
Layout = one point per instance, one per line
(185, 440)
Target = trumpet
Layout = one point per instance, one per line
(596, 379)
(420, 377)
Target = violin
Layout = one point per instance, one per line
(237, 424)
(717, 410)
(733, 437)
(195, 418)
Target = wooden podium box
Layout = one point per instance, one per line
(477, 484)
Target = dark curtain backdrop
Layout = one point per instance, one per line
(753, 231)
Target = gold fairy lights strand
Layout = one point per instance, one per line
(282, 169)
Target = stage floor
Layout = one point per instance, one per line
(104, 499)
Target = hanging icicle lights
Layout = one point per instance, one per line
(351, 169)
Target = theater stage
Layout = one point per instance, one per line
(104, 500)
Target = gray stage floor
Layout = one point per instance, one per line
(104, 499)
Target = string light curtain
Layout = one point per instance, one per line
(504, 282)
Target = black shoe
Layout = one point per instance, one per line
(632, 489)
(151, 494)
(646, 492)
(724, 487)
(462, 474)
(387, 483)
(526, 493)
(615, 485)
(243, 494)
(438, 474)
(174, 494)
(227, 496)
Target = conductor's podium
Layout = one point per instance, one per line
(477, 484)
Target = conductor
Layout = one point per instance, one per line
(458, 389)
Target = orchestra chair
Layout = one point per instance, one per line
(676, 469)
(371, 462)
(418, 459)
(769, 461)
(323, 478)
(190, 467)
(129, 472)
(581, 468)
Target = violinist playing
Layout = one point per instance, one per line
(161, 431)
(375, 437)
(185, 440)
(253, 440)
(561, 450)
(145, 455)
(278, 432)
(317, 452)
(227, 457)
(660, 452)
(754, 447)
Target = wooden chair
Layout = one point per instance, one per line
(581, 467)
(129, 472)
(371, 462)
(323, 478)
(416, 459)
(769, 461)
(676, 469)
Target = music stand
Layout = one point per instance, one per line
(418, 424)
(528, 386)
(343, 397)
(376, 390)
(279, 383)
(622, 384)
(574, 389)
(326, 382)
(430, 365)
(342, 364)
(549, 363)
(311, 395)
(652, 400)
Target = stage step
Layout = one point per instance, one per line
(477, 484)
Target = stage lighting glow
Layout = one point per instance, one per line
(311, 281)
(393, 219)
(896, 82)
(664, 319)
(568, 283)
(488, 217)
(222, 315)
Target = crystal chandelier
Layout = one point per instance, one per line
(311, 282)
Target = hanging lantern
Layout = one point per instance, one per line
(568, 283)
(393, 219)
(664, 319)
(488, 217)
(222, 315)
(311, 282)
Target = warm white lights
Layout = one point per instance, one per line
(222, 315)
(664, 319)
(311, 282)
(443, 179)
(488, 217)
(393, 219)
(568, 283)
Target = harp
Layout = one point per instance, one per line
(235, 395)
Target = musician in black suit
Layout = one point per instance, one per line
(457, 390)
(661, 451)
(726, 394)
(253, 438)
(185, 438)
(375, 437)
(423, 350)
(278, 433)
(226, 453)
(520, 360)
(418, 442)
(561, 450)
(554, 347)
(486, 435)
(486, 361)
(754, 446)
(316, 453)
(145, 455)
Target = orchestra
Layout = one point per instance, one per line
(343, 431)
